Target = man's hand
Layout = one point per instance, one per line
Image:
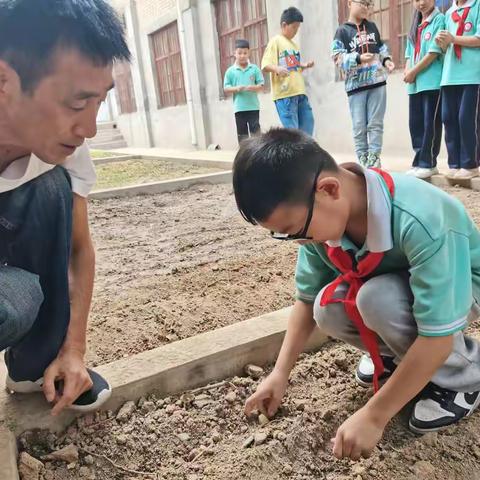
(268, 395)
(390, 66)
(282, 71)
(410, 76)
(69, 367)
(366, 57)
(358, 435)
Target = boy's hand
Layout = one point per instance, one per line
(366, 57)
(390, 66)
(410, 76)
(309, 64)
(358, 435)
(268, 395)
(282, 71)
(240, 88)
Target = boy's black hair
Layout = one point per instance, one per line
(291, 15)
(32, 31)
(274, 168)
(242, 43)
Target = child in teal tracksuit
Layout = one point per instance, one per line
(461, 87)
(423, 75)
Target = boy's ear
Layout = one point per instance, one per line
(329, 186)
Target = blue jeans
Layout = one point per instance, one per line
(296, 112)
(368, 110)
(35, 237)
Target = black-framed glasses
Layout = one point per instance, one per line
(302, 235)
(364, 3)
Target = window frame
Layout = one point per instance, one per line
(167, 66)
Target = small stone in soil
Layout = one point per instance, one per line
(126, 411)
(263, 420)
(184, 437)
(248, 442)
(29, 467)
(230, 397)
(68, 454)
(260, 438)
(254, 371)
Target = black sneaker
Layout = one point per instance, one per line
(365, 368)
(439, 407)
(87, 402)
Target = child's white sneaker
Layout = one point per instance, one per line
(424, 173)
(452, 172)
(466, 174)
(439, 407)
(411, 172)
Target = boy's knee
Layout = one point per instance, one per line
(20, 299)
(372, 305)
(326, 317)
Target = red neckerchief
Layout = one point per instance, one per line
(353, 276)
(460, 29)
(418, 43)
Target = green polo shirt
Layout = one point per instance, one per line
(430, 78)
(432, 236)
(236, 76)
(464, 71)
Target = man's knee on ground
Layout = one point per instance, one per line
(20, 299)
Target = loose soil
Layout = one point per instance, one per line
(178, 264)
(134, 172)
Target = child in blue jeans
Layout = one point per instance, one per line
(423, 74)
(364, 59)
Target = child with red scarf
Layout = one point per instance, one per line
(423, 75)
(461, 87)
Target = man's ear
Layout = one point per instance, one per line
(10, 85)
(329, 186)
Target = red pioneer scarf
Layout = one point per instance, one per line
(460, 29)
(353, 275)
(418, 43)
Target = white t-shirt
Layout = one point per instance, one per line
(79, 166)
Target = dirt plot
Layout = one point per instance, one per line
(173, 265)
(133, 172)
(204, 435)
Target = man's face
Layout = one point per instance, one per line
(291, 29)
(57, 117)
(242, 55)
(329, 218)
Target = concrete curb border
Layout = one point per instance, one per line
(166, 370)
(198, 162)
(443, 181)
(163, 186)
(112, 159)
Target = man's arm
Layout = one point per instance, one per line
(69, 364)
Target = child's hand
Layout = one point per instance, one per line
(241, 88)
(390, 66)
(268, 395)
(444, 39)
(282, 71)
(410, 76)
(309, 64)
(366, 57)
(358, 435)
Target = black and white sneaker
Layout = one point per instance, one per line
(365, 368)
(438, 408)
(87, 402)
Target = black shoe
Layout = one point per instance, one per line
(364, 372)
(87, 402)
(439, 407)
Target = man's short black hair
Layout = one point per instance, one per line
(274, 168)
(291, 15)
(242, 43)
(32, 31)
